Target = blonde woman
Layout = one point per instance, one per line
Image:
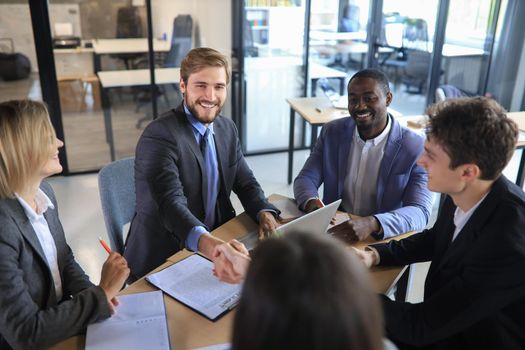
(45, 295)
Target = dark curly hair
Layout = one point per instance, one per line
(474, 130)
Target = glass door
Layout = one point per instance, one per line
(405, 51)
(337, 44)
(273, 70)
(469, 39)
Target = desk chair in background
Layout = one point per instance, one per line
(415, 71)
(129, 25)
(415, 34)
(445, 92)
(181, 43)
(411, 40)
(116, 183)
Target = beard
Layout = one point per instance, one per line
(207, 116)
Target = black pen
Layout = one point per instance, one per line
(318, 109)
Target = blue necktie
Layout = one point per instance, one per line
(204, 144)
(212, 176)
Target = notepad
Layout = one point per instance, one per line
(139, 323)
(191, 282)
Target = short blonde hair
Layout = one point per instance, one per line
(203, 57)
(27, 138)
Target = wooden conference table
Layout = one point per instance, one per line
(187, 329)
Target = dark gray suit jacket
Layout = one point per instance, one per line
(169, 184)
(30, 315)
(475, 288)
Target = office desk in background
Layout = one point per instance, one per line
(123, 78)
(74, 62)
(187, 329)
(316, 111)
(123, 46)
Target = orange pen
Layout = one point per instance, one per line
(105, 245)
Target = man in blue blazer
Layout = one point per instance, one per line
(368, 160)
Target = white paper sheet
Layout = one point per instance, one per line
(191, 282)
(139, 323)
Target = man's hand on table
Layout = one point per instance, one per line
(369, 256)
(314, 204)
(357, 228)
(267, 224)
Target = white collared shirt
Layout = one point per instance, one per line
(461, 218)
(47, 242)
(360, 184)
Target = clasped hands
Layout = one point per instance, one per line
(231, 258)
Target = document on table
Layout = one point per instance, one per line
(191, 282)
(139, 323)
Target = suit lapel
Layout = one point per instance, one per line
(187, 134)
(30, 236)
(393, 144)
(345, 141)
(27, 230)
(221, 143)
(456, 249)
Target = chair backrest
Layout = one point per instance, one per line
(446, 92)
(181, 40)
(117, 194)
(417, 63)
(129, 23)
(415, 34)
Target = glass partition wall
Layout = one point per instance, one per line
(92, 40)
(273, 66)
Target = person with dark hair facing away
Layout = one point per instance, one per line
(306, 292)
(187, 163)
(369, 161)
(475, 288)
(45, 296)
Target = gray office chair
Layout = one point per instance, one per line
(446, 92)
(116, 183)
(129, 25)
(416, 70)
(181, 43)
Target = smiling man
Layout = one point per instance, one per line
(368, 160)
(187, 163)
(475, 287)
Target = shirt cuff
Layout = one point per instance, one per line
(192, 240)
(303, 207)
(379, 235)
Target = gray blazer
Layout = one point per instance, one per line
(30, 315)
(169, 184)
